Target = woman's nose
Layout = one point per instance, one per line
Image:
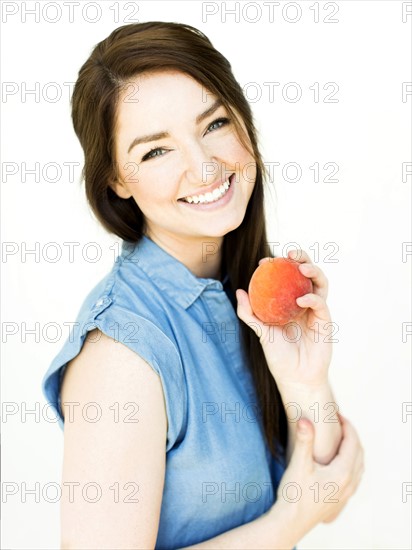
(200, 164)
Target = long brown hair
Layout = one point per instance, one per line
(155, 46)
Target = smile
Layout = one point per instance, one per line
(214, 196)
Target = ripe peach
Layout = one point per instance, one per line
(273, 289)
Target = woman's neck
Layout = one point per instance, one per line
(203, 256)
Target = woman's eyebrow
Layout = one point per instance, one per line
(209, 111)
(161, 135)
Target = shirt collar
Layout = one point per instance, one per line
(167, 272)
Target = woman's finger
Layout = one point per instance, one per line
(299, 255)
(301, 458)
(263, 260)
(296, 254)
(316, 303)
(245, 313)
(349, 450)
(244, 307)
(350, 466)
(357, 472)
(346, 492)
(308, 269)
(340, 506)
(317, 276)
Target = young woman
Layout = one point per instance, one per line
(172, 394)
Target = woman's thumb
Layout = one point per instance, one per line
(244, 310)
(303, 450)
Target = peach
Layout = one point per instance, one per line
(273, 289)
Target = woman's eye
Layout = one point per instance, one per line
(153, 153)
(222, 121)
(218, 123)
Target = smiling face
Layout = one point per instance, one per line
(195, 152)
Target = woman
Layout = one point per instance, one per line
(189, 440)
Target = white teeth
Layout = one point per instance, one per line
(209, 197)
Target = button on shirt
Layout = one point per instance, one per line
(219, 471)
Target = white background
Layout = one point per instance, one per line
(367, 133)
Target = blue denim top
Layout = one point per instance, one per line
(219, 471)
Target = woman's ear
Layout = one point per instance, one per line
(120, 188)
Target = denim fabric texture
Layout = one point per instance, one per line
(219, 471)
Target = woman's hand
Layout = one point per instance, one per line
(298, 354)
(310, 493)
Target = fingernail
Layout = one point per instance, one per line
(302, 428)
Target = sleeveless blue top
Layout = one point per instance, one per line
(219, 471)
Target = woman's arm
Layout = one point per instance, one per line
(299, 361)
(290, 519)
(320, 407)
(107, 452)
(122, 458)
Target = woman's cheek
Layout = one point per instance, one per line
(161, 188)
(236, 152)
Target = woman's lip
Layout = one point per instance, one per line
(210, 190)
(220, 203)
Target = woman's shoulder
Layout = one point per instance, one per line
(125, 292)
(127, 307)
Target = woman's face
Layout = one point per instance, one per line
(195, 156)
